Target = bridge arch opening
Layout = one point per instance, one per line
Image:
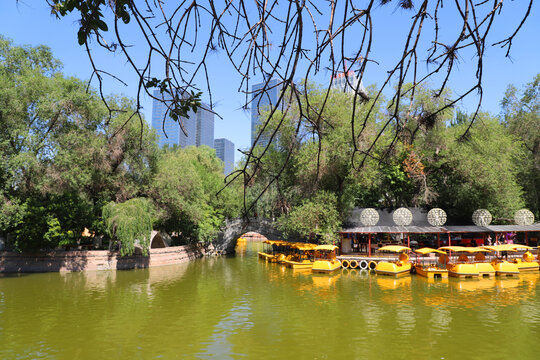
(253, 229)
(251, 236)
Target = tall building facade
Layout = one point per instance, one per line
(348, 82)
(225, 151)
(205, 127)
(199, 126)
(262, 101)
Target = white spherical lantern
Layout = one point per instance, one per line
(369, 217)
(481, 217)
(524, 217)
(402, 216)
(436, 217)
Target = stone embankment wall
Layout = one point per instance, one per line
(66, 261)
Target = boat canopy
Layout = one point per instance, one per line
(304, 246)
(278, 242)
(521, 247)
(469, 250)
(503, 247)
(394, 248)
(425, 229)
(326, 247)
(424, 251)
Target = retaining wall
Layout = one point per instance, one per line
(67, 261)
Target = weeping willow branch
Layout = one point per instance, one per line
(129, 223)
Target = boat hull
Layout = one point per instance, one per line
(524, 266)
(431, 272)
(265, 256)
(393, 268)
(463, 270)
(298, 264)
(504, 268)
(485, 269)
(325, 266)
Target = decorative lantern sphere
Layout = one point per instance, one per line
(402, 216)
(436, 217)
(369, 217)
(524, 217)
(481, 217)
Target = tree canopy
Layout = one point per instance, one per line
(298, 39)
(66, 164)
(422, 161)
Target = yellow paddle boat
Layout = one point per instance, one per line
(325, 259)
(460, 267)
(429, 270)
(485, 268)
(503, 267)
(278, 250)
(402, 266)
(267, 254)
(303, 258)
(284, 251)
(527, 262)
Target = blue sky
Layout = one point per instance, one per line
(30, 22)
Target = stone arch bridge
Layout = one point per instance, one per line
(233, 229)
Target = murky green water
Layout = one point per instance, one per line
(240, 307)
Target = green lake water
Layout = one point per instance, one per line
(242, 308)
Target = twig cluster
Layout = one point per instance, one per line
(290, 40)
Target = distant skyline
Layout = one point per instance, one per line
(261, 100)
(30, 23)
(199, 125)
(225, 152)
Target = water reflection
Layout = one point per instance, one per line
(235, 307)
(220, 343)
(392, 283)
(395, 290)
(440, 320)
(100, 280)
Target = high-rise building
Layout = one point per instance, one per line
(205, 127)
(225, 151)
(261, 101)
(348, 82)
(199, 126)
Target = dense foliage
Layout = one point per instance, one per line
(184, 190)
(66, 163)
(131, 223)
(423, 160)
(63, 158)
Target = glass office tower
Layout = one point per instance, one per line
(261, 102)
(225, 151)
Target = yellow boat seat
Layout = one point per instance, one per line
(403, 258)
(528, 257)
(479, 257)
(443, 259)
(463, 258)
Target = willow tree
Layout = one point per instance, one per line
(129, 223)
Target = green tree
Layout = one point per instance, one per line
(480, 171)
(62, 156)
(185, 188)
(315, 219)
(130, 223)
(521, 115)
